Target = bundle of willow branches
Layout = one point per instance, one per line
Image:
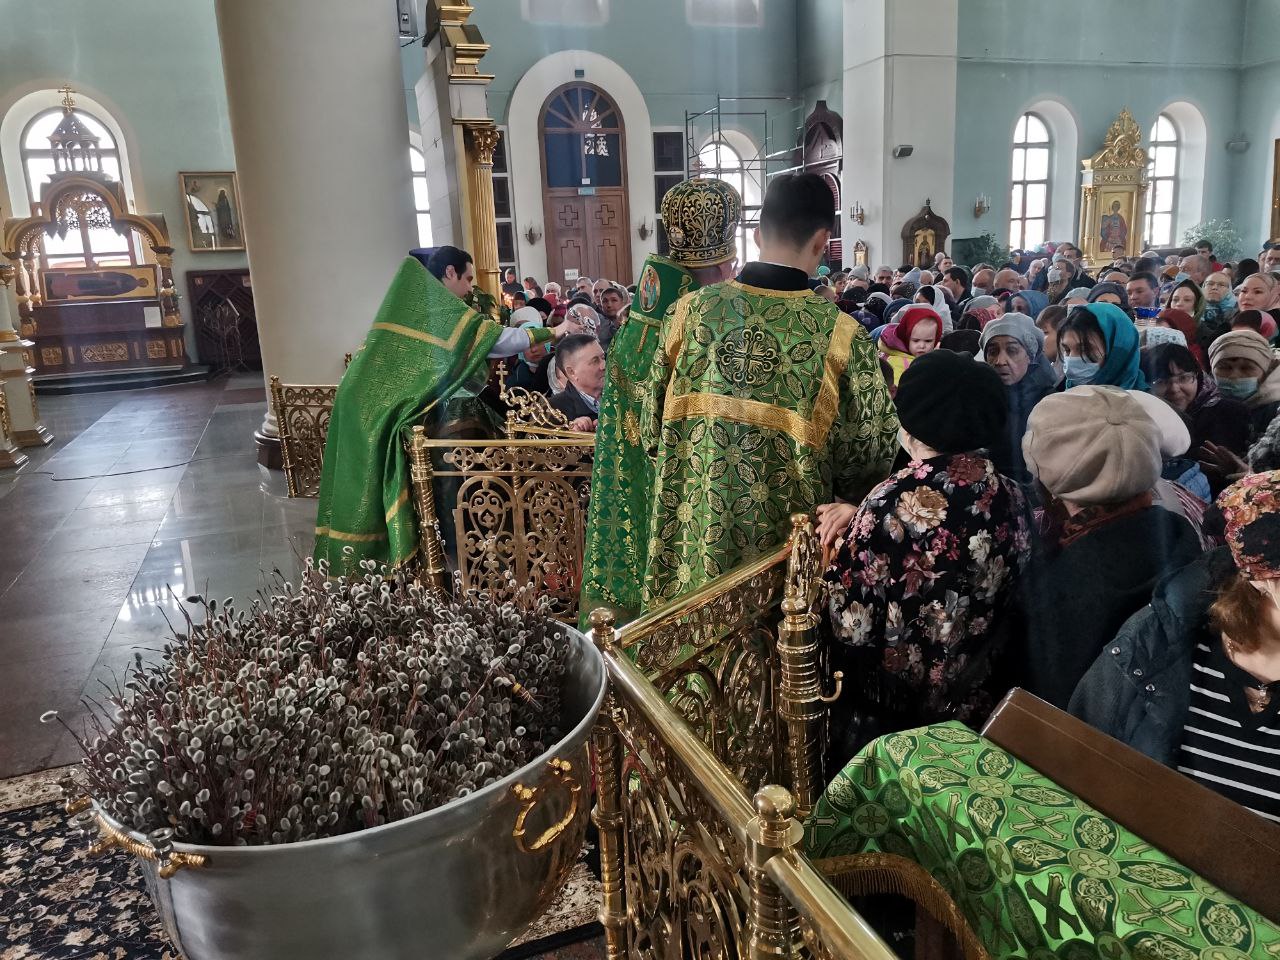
(334, 706)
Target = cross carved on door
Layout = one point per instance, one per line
(568, 215)
(604, 215)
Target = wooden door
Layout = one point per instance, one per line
(584, 178)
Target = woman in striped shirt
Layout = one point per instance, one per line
(1193, 680)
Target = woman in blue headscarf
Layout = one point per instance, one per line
(1030, 302)
(1099, 345)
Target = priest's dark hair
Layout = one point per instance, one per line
(439, 259)
(796, 206)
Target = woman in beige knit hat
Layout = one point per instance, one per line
(1244, 368)
(1095, 453)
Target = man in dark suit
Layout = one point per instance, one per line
(581, 358)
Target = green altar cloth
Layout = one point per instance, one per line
(1034, 871)
(617, 543)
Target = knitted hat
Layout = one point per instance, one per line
(1242, 344)
(1175, 438)
(1100, 289)
(1252, 511)
(1092, 445)
(860, 272)
(952, 403)
(1019, 326)
(1077, 293)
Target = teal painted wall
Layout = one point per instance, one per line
(158, 65)
(819, 54)
(1259, 121)
(1150, 53)
(679, 67)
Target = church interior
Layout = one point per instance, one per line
(580, 479)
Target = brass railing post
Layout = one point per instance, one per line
(607, 815)
(421, 475)
(771, 920)
(800, 698)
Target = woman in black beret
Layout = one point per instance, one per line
(922, 576)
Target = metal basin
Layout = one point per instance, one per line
(457, 882)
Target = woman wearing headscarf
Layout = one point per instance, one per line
(1178, 379)
(1013, 347)
(978, 312)
(1030, 302)
(1098, 344)
(1096, 456)
(1244, 368)
(1182, 489)
(921, 579)
(1191, 680)
(1109, 293)
(1260, 291)
(934, 296)
(915, 331)
(530, 369)
(1185, 324)
(1187, 296)
(1219, 305)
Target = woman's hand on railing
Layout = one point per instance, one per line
(833, 521)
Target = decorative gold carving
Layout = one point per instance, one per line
(1122, 146)
(51, 356)
(6, 423)
(156, 350)
(302, 412)
(35, 407)
(530, 414)
(484, 140)
(112, 352)
(176, 347)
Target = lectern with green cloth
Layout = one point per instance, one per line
(425, 347)
(945, 816)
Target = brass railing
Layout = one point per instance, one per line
(302, 416)
(693, 864)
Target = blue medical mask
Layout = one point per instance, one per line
(1079, 370)
(1241, 389)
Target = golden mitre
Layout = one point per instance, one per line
(701, 216)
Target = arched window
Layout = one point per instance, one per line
(718, 159)
(1029, 199)
(1162, 183)
(421, 204)
(93, 244)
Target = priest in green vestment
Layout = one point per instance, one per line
(426, 346)
(764, 400)
(701, 217)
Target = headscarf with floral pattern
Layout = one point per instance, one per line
(1252, 511)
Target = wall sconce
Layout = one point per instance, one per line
(857, 214)
(532, 235)
(981, 205)
(644, 230)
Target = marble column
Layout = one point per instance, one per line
(20, 424)
(902, 77)
(321, 134)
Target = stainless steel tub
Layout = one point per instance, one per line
(458, 882)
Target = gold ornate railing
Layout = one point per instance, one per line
(516, 514)
(693, 863)
(302, 414)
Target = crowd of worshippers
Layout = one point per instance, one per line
(1087, 505)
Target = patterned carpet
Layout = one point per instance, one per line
(56, 904)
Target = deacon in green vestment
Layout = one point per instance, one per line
(701, 218)
(426, 346)
(764, 400)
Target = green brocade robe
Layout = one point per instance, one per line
(617, 544)
(761, 403)
(425, 346)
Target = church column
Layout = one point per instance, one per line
(20, 424)
(318, 117)
(481, 142)
(899, 82)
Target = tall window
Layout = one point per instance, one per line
(1162, 182)
(91, 242)
(421, 205)
(1029, 199)
(718, 159)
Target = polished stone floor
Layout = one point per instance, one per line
(145, 497)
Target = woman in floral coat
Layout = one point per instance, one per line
(922, 576)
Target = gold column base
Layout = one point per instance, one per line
(12, 459)
(39, 437)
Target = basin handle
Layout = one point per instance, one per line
(559, 774)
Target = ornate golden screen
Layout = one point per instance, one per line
(302, 412)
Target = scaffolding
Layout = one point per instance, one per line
(772, 129)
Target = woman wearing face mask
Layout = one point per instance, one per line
(916, 332)
(1215, 421)
(1243, 366)
(1191, 680)
(921, 580)
(1013, 347)
(1219, 307)
(1059, 282)
(1098, 344)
